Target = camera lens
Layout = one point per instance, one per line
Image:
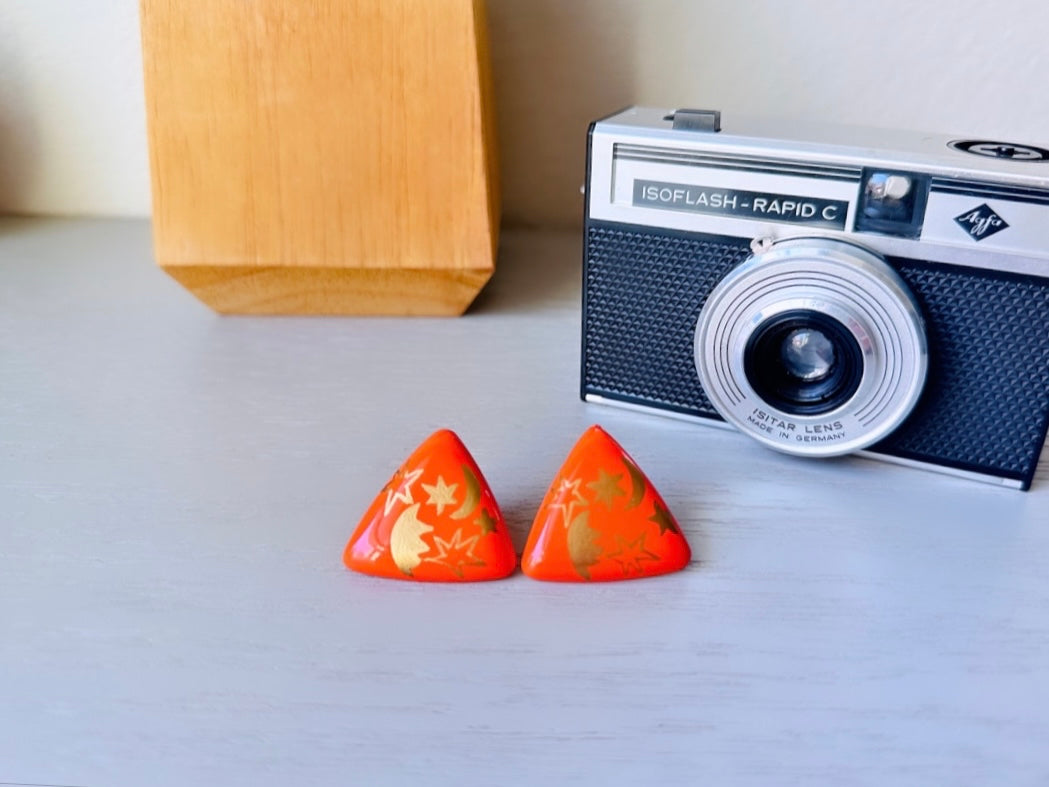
(803, 362)
(807, 354)
(813, 346)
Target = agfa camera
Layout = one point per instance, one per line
(825, 291)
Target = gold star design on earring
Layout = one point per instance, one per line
(568, 506)
(455, 552)
(486, 522)
(440, 494)
(403, 490)
(606, 487)
(632, 554)
(665, 520)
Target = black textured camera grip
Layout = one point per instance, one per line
(985, 406)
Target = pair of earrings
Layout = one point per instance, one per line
(436, 520)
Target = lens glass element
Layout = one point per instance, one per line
(807, 354)
(803, 362)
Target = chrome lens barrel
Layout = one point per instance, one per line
(753, 336)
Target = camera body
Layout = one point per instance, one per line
(825, 290)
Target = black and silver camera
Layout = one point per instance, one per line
(826, 291)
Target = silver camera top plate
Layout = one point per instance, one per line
(980, 203)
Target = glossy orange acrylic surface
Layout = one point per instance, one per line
(435, 521)
(602, 520)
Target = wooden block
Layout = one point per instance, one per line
(322, 157)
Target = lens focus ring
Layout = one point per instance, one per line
(813, 346)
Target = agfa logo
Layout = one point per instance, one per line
(981, 222)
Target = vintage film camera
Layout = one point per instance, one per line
(824, 290)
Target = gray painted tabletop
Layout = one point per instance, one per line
(176, 489)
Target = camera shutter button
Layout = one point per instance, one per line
(707, 120)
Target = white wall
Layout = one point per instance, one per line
(72, 136)
(72, 118)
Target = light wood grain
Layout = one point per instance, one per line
(347, 135)
(244, 289)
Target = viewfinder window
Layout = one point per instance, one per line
(892, 203)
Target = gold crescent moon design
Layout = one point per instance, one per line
(583, 549)
(473, 495)
(406, 542)
(637, 482)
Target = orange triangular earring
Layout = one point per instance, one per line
(435, 521)
(602, 520)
